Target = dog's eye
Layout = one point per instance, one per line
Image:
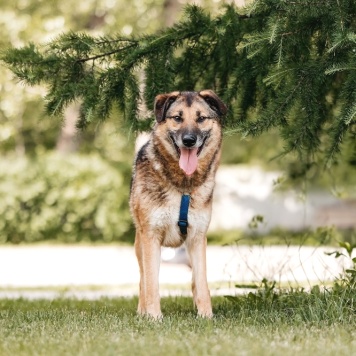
(177, 119)
(201, 119)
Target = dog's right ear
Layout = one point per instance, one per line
(162, 104)
(214, 102)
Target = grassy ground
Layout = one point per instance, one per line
(266, 323)
(323, 236)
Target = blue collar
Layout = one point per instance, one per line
(183, 214)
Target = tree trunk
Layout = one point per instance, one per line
(171, 9)
(68, 139)
(169, 16)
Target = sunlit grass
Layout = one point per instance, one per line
(292, 322)
(322, 236)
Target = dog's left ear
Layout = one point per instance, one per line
(162, 104)
(214, 102)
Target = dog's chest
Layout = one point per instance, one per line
(164, 219)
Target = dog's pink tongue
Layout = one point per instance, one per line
(188, 160)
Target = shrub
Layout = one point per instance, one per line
(67, 198)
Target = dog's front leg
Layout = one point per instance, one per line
(138, 249)
(197, 253)
(148, 251)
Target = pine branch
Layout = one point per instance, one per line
(107, 54)
(281, 64)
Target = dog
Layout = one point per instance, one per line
(179, 160)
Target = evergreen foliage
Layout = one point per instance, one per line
(282, 64)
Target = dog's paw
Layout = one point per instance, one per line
(150, 316)
(206, 314)
(153, 317)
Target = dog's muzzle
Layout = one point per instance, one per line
(189, 140)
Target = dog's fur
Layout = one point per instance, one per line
(185, 122)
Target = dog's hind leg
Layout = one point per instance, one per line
(148, 252)
(197, 253)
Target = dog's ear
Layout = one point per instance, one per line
(162, 104)
(214, 102)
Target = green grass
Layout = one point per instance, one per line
(322, 236)
(265, 323)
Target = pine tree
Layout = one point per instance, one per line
(288, 65)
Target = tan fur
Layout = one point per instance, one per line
(158, 184)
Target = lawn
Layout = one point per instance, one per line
(264, 323)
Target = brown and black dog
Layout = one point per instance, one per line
(181, 157)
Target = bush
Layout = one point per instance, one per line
(67, 198)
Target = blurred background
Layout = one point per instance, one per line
(61, 185)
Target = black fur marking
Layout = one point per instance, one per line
(131, 183)
(162, 194)
(167, 105)
(202, 145)
(189, 97)
(215, 104)
(206, 173)
(142, 155)
(165, 164)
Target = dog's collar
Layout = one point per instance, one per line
(183, 214)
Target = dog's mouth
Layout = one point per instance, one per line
(175, 145)
(188, 157)
(178, 150)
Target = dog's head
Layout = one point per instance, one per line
(190, 121)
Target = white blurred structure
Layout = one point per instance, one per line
(243, 192)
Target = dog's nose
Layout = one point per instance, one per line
(189, 140)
